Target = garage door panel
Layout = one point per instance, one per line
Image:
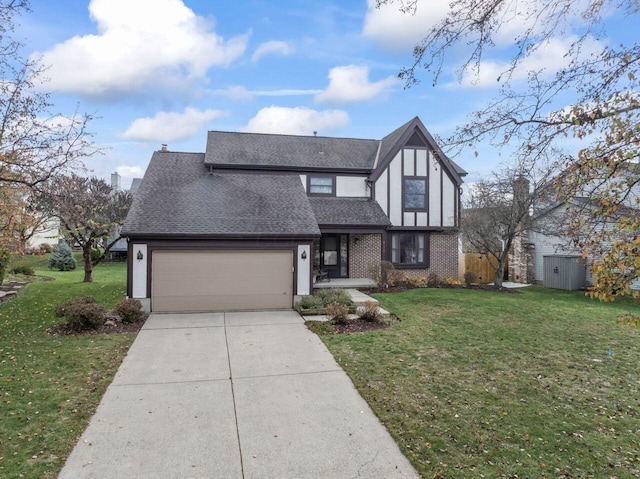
(221, 280)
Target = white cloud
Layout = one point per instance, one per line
(165, 127)
(296, 121)
(351, 83)
(272, 47)
(397, 30)
(551, 57)
(139, 43)
(130, 171)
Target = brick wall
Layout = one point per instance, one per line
(365, 252)
(443, 257)
(521, 267)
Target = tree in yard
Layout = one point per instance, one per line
(498, 210)
(35, 143)
(592, 98)
(90, 212)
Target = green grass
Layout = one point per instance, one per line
(482, 384)
(50, 386)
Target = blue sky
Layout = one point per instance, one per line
(166, 71)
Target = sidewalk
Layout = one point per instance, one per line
(233, 395)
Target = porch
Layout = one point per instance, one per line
(346, 283)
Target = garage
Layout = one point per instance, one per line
(221, 280)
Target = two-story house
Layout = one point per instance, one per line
(245, 224)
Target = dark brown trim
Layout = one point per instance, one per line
(351, 229)
(426, 193)
(129, 269)
(395, 229)
(217, 237)
(333, 184)
(441, 197)
(427, 249)
(176, 246)
(416, 126)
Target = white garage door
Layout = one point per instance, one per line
(221, 280)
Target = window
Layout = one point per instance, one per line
(415, 193)
(408, 248)
(321, 185)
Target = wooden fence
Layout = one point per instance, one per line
(479, 264)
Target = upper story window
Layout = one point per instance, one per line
(321, 185)
(415, 193)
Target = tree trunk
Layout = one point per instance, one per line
(88, 265)
(497, 280)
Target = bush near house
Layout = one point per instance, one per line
(82, 313)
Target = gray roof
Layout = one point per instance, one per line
(178, 197)
(348, 212)
(289, 151)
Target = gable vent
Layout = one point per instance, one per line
(416, 140)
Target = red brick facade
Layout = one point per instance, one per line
(365, 253)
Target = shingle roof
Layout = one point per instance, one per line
(179, 197)
(348, 212)
(289, 151)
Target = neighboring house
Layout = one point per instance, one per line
(245, 224)
(547, 237)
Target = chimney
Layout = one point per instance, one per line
(164, 147)
(115, 181)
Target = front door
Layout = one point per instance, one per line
(334, 255)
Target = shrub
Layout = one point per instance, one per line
(62, 259)
(333, 295)
(129, 310)
(432, 280)
(45, 248)
(309, 302)
(23, 269)
(470, 277)
(388, 275)
(369, 311)
(415, 282)
(81, 313)
(337, 313)
(5, 256)
(451, 282)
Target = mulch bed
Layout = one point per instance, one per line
(406, 287)
(62, 329)
(359, 325)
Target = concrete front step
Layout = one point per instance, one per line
(359, 298)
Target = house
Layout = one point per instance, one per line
(548, 237)
(245, 224)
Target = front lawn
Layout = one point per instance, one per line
(50, 386)
(483, 384)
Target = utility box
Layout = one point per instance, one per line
(564, 272)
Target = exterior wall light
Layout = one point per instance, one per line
(140, 256)
(303, 255)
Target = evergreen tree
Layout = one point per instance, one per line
(62, 259)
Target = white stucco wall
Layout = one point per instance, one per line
(434, 191)
(395, 189)
(448, 201)
(382, 187)
(352, 186)
(139, 274)
(303, 178)
(304, 270)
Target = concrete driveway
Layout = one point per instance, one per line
(233, 395)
